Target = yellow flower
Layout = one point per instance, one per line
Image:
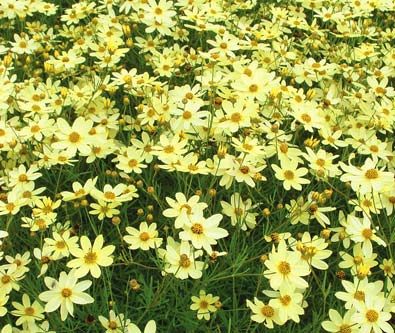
(204, 304)
(64, 293)
(91, 257)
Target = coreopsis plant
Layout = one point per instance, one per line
(234, 146)
(90, 257)
(64, 293)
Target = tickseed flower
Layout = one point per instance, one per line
(339, 324)
(64, 293)
(203, 232)
(264, 313)
(114, 323)
(288, 302)
(27, 312)
(291, 175)
(203, 304)
(144, 238)
(183, 209)
(180, 260)
(74, 138)
(367, 178)
(91, 257)
(286, 268)
(360, 231)
(371, 317)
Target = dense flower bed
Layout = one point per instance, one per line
(197, 166)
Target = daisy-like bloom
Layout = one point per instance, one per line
(367, 178)
(115, 323)
(104, 209)
(298, 211)
(170, 149)
(360, 231)
(203, 232)
(74, 138)
(388, 268)
(145, 238)
(239, 211)
(321, 162)
(64, 293)
(44, 256)
(130, 161)
(91, 257)
(246, 171)
(288, 303)
(21, 261)
(21, 177)
(27, 312)
(313, 250)
(355, 292)
(60, 245)
(149, 328)
(119, 193)
(45, 207)
(371, 316)
(317, 212)
(356, 259)
(183, 209)
(204, 304)
(180, 260)
(10, 277)
(339, 324)
(285, 268)
(79, 191)
(291, 175)
(263, 313)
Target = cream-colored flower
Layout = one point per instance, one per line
(64, 293)
(90, 257)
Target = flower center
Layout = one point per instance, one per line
(203, 305)
(367, 233)
(359, 295)
(372, 315)
(184, 261)
(187, 115)
(235, 117)
(109, 195)
(22, 178)
(74, 137)
(197, 228)
(144, 236)
(306, 118)
(285, 300)
(112, 325)
(284, 268)
(371, 174)
(90, 257)
(29, 311)
(132, 163)
(66, 292)
(60, 244)
(289, 175)
(244, 169)
(168, 149)
(5, 279)
(253, 88)
(345, 329)
(267, 311)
